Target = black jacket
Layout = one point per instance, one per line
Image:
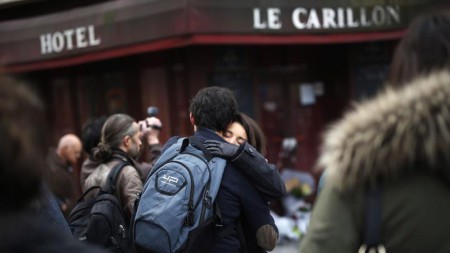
(28, 232)
(237, 197)
(264, 176)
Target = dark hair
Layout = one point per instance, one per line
(213, 108)
(23, 144)
(116, 127)
(255, 135)
(91, 133)
(424, 48)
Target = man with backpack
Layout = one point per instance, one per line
(112, 187)
(211, 111)
(120, 143)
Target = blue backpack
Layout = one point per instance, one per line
(176, 211)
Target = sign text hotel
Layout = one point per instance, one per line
(69, 39)
(328, 18)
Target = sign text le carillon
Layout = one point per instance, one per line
(328, 18)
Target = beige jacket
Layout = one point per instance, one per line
(128, 184)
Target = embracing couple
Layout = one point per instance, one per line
(248, 182)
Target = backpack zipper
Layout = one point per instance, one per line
(205, 200)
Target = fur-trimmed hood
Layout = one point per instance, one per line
(398, 130)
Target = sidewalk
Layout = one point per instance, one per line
(288, 247)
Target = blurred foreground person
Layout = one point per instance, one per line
(390, 157)
(22, 156)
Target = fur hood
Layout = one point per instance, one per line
(398, 130)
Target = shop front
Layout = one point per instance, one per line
(295, 66)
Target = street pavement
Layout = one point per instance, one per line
(287, 247)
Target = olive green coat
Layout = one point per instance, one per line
(401, 137)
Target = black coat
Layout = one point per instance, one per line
(264, 176)
(28, 232)
(238, 197)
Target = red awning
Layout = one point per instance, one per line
(120, 28)
(206, 40)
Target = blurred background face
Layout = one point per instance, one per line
(235, 134)
(72, 153)
(135, 142)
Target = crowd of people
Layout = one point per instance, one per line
(107, 141)
(391, 150)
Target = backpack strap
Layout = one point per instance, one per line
(81, 199)
(372, 226)
(195, 142)
(110, 186)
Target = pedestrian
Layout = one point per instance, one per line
(22, 163)
(392, 150)
(120, 142)
(151, 148)
(211, 111)
(60, 174)
(246, 148)
(47, 207)
(91, 134)
(423, 50)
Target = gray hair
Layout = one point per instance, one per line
(116, 127)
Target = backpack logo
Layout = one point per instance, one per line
(169, 180)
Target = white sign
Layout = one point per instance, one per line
(328, 18)
(307, 94)
(79, 37)
(272, 22)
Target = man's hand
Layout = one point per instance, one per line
(221, 149)
(150, 128)
(154, 123)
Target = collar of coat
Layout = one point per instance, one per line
(399, 130)
(121, 155)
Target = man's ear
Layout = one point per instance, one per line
(126, 141)
(64, 152)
